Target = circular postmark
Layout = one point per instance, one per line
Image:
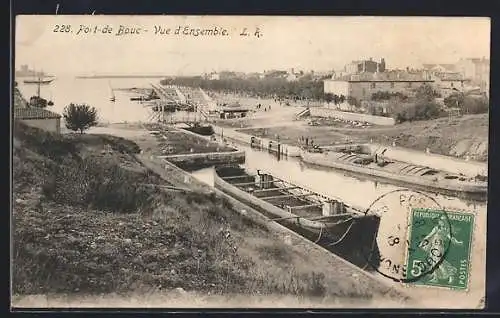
(412, 238)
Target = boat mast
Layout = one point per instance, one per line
(38, 88)
(112, 91)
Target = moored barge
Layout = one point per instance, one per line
(359, 159)
(332, 223)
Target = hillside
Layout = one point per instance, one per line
(86, 220)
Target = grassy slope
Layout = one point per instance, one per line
(82, 223)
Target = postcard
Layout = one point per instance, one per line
(250, 161)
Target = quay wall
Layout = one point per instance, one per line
(332, 113)
(206, 159)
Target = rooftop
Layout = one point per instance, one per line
(450, 76)
(390, 76)
(34, 113)
(448, 67)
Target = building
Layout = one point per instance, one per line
(449, 83)
(230, 110)
(364, 66)
(276, 74)
(362, 86)
(440, 68)
(39, 118)
(477, 70)
(213, 76)
(292, 77)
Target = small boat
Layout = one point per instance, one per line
(358, 158)
(200, 129)
(327, 221)
(39, 81)
(150, 97)
(50, 102)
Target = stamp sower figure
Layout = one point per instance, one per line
(434, 245)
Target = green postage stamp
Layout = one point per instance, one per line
(439, 248)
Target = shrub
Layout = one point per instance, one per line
(49, 144)
(467, 103)
(95, 183)
(417, 111)
(382, 96)
(475, 105)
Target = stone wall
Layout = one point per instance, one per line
(52, 124)
(206, 159)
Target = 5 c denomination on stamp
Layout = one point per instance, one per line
(442, 241)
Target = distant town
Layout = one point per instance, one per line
(361, 78)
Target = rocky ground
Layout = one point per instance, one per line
(89, 218)
(465, 137)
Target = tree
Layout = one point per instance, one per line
(328, 98)
(80, 117)
(353, 101)
(455, 100)
(425, 94)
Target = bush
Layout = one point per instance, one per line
(98, 184)
(417, 111)
(467, 103)
(51, 145)
(475, 105)
(383, 96)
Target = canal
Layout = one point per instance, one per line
(355, 190)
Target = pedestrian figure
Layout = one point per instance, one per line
(307, 141)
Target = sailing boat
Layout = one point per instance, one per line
(38, 80)
(36, 100)
(113, 97)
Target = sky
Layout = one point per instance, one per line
(303, 43)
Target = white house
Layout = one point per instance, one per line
(39, 118)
